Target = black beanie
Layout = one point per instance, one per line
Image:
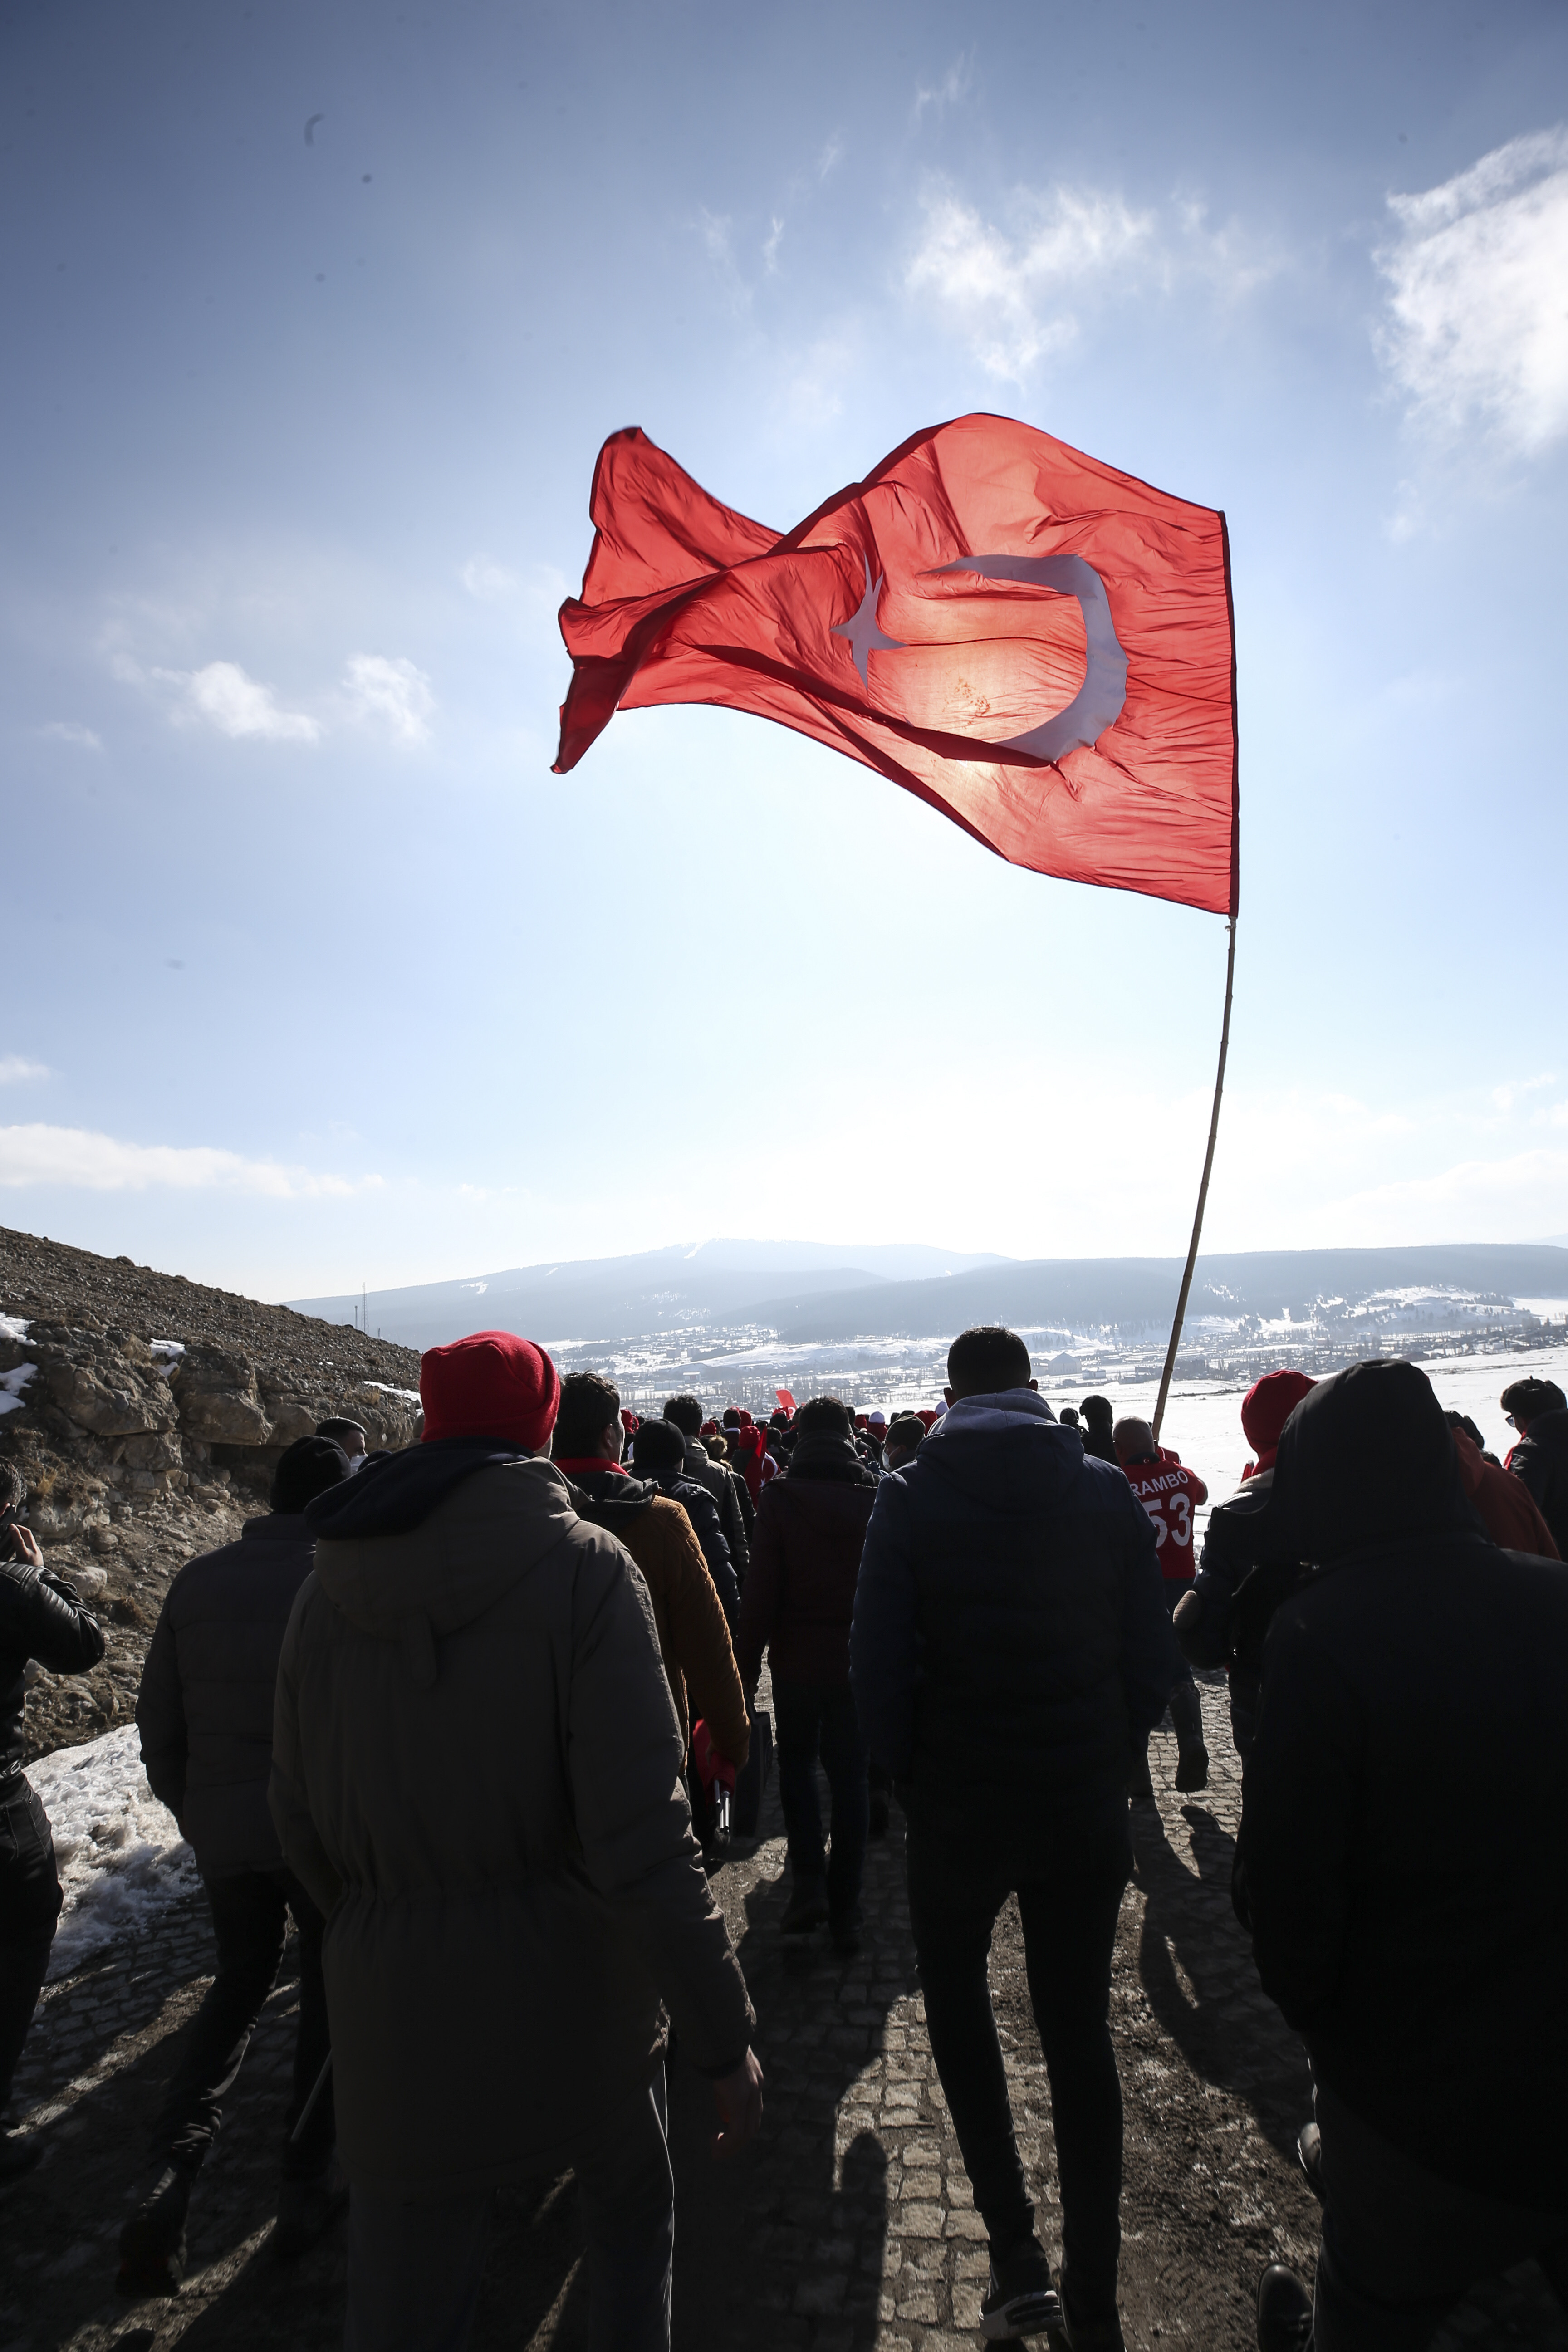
(306, 1469)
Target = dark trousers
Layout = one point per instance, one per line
(816, 1719)
(251, 1919)
(1176, 1590)
(1402, 2247)
(416, 2268)
(29, 1906)
(957, 1885)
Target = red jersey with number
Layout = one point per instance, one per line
(1168, 1494)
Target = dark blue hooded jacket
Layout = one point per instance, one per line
(1011, 1640)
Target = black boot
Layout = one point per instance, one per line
(1284, 2311)
(807, 1908)
(152, 2242)
(1192, 1757)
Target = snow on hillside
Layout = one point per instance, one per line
(121, 1856)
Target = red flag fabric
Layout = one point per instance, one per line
(784, 1399)
(1039, 647)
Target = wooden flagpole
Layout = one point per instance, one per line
(1202, 1188)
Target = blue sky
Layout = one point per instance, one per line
(317, 317)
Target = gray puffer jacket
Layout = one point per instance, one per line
(204, 1708)
(476, 1773)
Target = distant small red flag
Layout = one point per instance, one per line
(1037, 645)
(784, 1399)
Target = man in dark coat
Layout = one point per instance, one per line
(1537, 1410)
(658, 1455)
(736, 1517)
(205, 1713)
(1011, 1646)
(41, 1617)
(1401, 1867)
(475, 1768)
(797, 1605)
(1241, 1581)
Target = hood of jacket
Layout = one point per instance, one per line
(1008, 1451)
(1548, 1433)
(1367, 1459)
(443, 1569)
(821, 1454)
(397, 1492)
(613, 1495)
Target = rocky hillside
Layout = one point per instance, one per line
(147, 1428)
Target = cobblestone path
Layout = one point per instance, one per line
(849, 2224)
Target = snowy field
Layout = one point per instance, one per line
(121, 1858)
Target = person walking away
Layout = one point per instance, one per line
(1099, 1427)
(476, 1771)
(41, 1617)
(735, 1513)
(1405, 1912)
(1243, 1574)
(797, 1606)
(658, 1453)
(1539, 1412)
(689, 1616)
(1507, 1509)
(1170, 1495)
(205, 1713)
(1010, 1645)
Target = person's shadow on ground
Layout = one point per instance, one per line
(1196, 1967)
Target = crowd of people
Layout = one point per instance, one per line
(479, 1716)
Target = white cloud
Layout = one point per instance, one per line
(392, 693)
(70, 731)
(1017, 293)
(770, 244)
(1008, 293)
(486, 579)
(717, 242)
(1478, 325)
(101, 1163)
(14, 1068)
(954, 85)
(832, 153)
(239, 706)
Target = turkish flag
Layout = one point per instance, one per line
(1038, 646)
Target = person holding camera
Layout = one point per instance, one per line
(41, 1617)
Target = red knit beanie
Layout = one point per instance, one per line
(1267, 1406)
(491, 1384)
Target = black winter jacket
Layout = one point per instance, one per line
(703, 1513)
(1011, 1640)
(1401, 1869)
(1541, 1459)
(800, 1594)
(42, 1617)
(204, 1708)
(1242, 1579)
(736, 1516)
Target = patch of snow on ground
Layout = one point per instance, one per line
(387, 1388)
(121, 1858)
(12, 1384)
(13, 1326)
(171, 1349)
